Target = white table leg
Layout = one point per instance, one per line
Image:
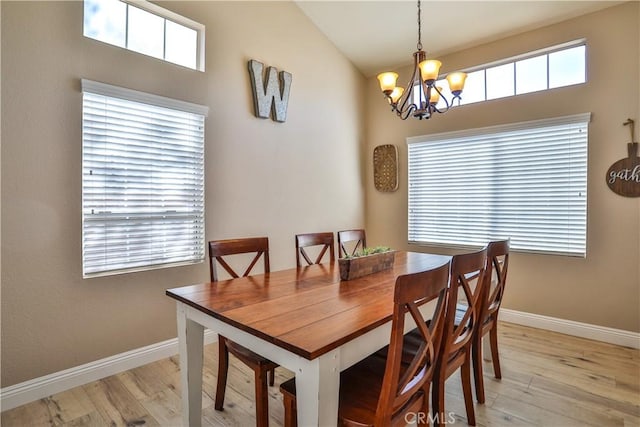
(190, 343)
(317, 388)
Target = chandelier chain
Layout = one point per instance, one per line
(419, 45)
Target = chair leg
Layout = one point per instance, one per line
(271, 375)
(493, 339)
(290, 414)
(424, 420)
(437, 398)
(465, 374)
(223, 368)
(477, 368)
(262, 398)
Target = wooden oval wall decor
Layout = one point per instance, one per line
(385, 168)
(623, 177)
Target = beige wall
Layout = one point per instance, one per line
(268, 178)
(604, 288)
(262, 177)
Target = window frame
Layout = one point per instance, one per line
(513, 60)
(91, 143)
(456, 140)
(169, 15)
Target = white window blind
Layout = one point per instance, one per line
(526, 181)
(142, 180)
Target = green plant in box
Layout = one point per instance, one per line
(369, 251)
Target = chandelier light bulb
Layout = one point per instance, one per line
(456, 82)
(430, 70)
(435, 95)
(388, 82)
(396, 94)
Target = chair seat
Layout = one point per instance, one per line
(249, 357)
(360, 388)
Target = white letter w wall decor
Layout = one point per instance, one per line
(272, 96)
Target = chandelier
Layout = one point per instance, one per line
(422, 96)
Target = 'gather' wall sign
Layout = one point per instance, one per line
(623, 177)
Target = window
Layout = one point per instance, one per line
(146, 28)
(532, 74)
(498, 81)
(142, 180)
(567, 67)
(549, 68)
(526, 181)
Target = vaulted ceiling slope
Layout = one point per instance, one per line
(380, 35)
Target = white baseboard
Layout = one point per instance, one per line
(38, 388)
(569, 327)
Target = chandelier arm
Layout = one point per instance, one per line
(446, 101)
(419, 108)
(408, 112)
(393, 106)
(417, 77)
(440, 110)
(406, 101)
(426, 89)
(403, 110)
(442, 96)
(402, 104)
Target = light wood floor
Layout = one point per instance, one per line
(549, 379)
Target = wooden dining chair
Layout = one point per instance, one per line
(263, 368)
(348, 236)
(466, 284)
(496, 279)
(325, 240)
(385, 391)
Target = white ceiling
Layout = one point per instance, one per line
(381, 35)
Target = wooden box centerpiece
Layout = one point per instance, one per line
(369, 261)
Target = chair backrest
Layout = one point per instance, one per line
(220, 248)
(497, 266)
(314, 239)
(466, 284)
(405, 383)
(345, 236)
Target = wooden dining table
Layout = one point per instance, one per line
(305, 319)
